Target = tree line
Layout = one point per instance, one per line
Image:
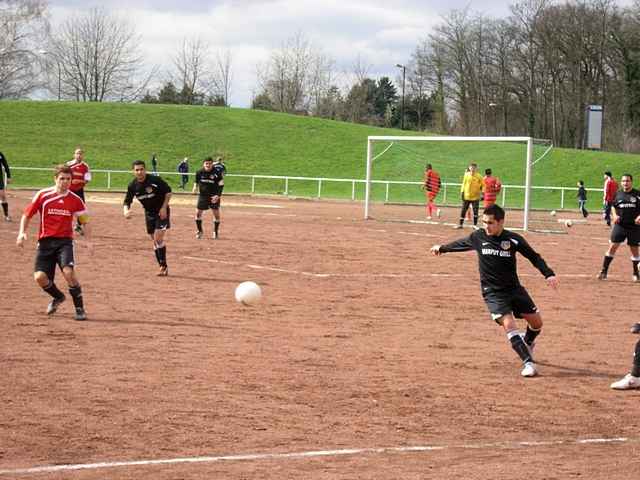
(533, 72)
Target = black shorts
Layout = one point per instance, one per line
(205, 203)
(516, 301)
(51, 252)
(630, 233)
(80, 193)
(154, 222)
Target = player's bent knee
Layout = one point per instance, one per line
(41, 278)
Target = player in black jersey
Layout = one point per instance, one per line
(626, 225)
(210, 183)
(3, 197)
(505, 297)
(154, 195)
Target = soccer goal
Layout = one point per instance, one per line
(394, 186)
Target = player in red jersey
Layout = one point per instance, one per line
(57, 206)
(492, 187)
(431, 186)
(81, 175)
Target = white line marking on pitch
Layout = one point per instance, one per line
(353, 275)
(309, 454)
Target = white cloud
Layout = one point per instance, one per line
(379, 32)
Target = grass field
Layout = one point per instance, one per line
(41, 134)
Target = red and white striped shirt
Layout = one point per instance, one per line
(57, 211)
(80, 175)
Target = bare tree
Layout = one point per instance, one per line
(222, 75)
(191, 66)
(23, 26)
(98, 58)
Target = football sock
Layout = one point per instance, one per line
(519, 346)
(216, 226)
(52, 290)
(157, 254)
(635, 371)
(635, 261)
(162, 256)
(531, 334)
(5, 208)
(606, 262)
(199, 225)
(76, 295)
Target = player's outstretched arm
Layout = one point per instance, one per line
(127, 211)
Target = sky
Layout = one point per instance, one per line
(379, 33)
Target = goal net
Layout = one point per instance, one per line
(395, 173)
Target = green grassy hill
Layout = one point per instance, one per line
(41, 134)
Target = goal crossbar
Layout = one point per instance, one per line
(378, 138)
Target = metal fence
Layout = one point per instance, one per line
(450, 190)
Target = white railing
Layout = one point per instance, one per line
(321, 181)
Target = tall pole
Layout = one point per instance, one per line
(404, 72)
(59, 79)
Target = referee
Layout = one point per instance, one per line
(626, 226)
(154, 195)
(505, 297)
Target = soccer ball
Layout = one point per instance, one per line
(248, 293)
(568, 223)
(552, 213)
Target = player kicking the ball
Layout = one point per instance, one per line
(154, 195)
(505, 297)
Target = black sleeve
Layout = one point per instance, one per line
(197, 179)
(128, 198)
(460, 245)
(3, 162)
(534, 257)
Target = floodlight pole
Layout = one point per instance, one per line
(404, 72)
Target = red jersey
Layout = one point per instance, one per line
(432, 181)
(492, 187)
(56, 212)
(80, 175)
(610, 189)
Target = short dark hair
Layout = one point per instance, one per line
(608, 173)
(208, 159)
(138, 162)
(495, 210)
(627, 175)
(581, 182)
(61, 169)
(428, 167)
(487, 171)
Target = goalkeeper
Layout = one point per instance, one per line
(471, 191)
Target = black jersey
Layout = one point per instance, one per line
(497, 257)
(627, 205)
(210, 183)
(151, 193)
(582, 193)
(5, 165)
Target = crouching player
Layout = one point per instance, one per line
(57, 206)
(505, 297)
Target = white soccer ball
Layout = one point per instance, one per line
(248, 293)
(552, 213)
(568, 223)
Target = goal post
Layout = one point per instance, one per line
(527, 157)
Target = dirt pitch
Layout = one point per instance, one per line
(367, 357)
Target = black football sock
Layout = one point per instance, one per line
(162, 256)
(54, 291)
(157, 254)
(216, 226)
(199, 225)
(5, 208)
(635, 371)
(530, 335)
(76, 295)
(635, 265)
(606, 262)
(519, 346)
